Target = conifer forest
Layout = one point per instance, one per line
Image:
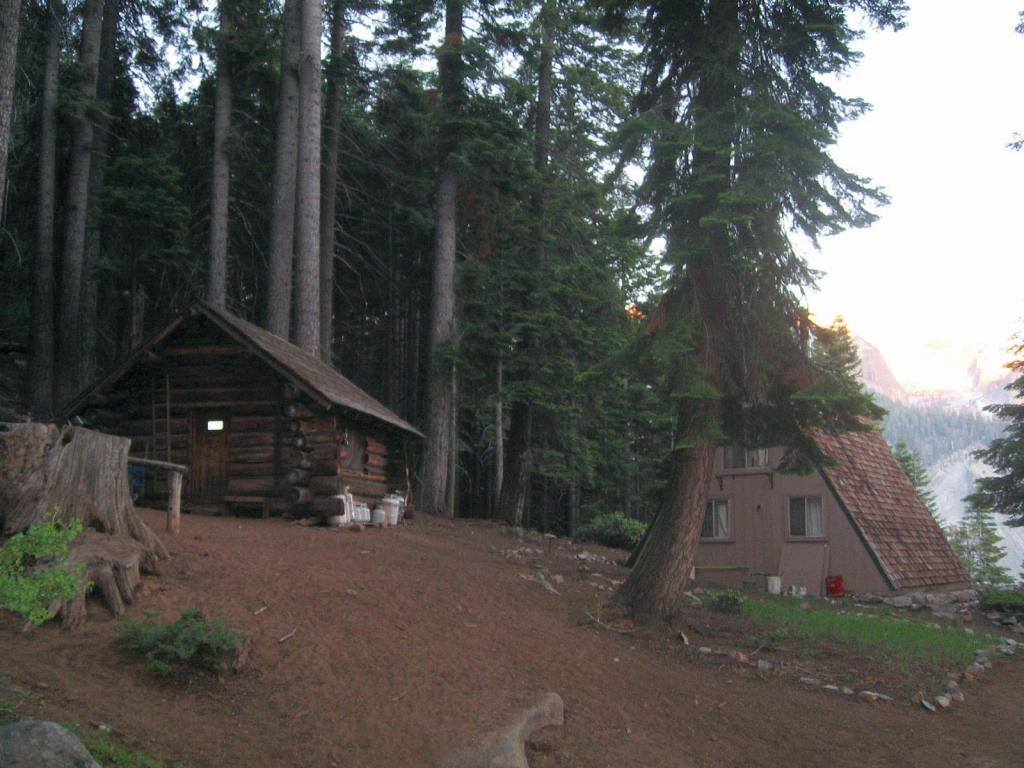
(556, 236)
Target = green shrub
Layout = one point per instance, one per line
(34, 570)
(111, 755)
(193, 641)
(724, 601)
(613, 529)
(1009, 601)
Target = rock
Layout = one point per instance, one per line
(763, 665)
(505, 748)
(952, 686)
(1008, 621)
(943, 701)
(919, 598)
(965, 596)
(993, 616)
(846, 691)
(810, 681)
(739, 656)
(944, 611)
(928, 705)
(900, 601)
(1006, 650)
(42, 744)
(833, 688)
(867, 598)
(974, 670)
(704, 649)
(939, 598)
(872, 696)
(957, 695)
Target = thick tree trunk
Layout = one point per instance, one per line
(97, 178)
(220, 188)
(521, 432)
(76, 206)
(42, 333)
(78, 474)
(282, 220)
(307, 193)
(441, 406)
(10, 23)
(329, 197)
(659, 577)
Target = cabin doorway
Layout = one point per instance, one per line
(208, 478)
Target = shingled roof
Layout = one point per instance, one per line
(309, 374)
(886, 511)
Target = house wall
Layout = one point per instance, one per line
(759, 505)
(281, 445)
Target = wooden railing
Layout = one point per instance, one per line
(175, 473)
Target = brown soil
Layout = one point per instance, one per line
(410, 641)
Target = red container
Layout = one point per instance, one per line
(834, 586)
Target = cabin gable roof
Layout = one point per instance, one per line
(312, 376)
(882, 504)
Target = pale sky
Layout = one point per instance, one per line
(941, 275)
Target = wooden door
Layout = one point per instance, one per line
(208, 475)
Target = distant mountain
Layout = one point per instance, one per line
(876, 374)
(945, 428)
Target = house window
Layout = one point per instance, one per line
(805, 518)
(738, 458)
(215, 425)
(717, 521)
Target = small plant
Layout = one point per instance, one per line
(770, 640)
(613, 529)
(34, 569)
(193, 641)
(1010, 601)
(724, 601)
(107, 753)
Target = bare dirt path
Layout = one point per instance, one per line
(409, 641)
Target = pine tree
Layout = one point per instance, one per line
(10, 25)
(976, 541)
(736, 119)
(1003, 492)
(910, 461)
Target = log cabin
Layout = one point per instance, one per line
(260, 423)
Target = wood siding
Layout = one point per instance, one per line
(279, 444)
(759, 507)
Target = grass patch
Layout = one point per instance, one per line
(111, 755)
(897, 640)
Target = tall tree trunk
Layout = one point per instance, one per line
(441, 405)
(42, 333)
(220, 189)
(520, 456)
(655, 586)
(499, 434)
(77, 204)
(662, 568)
(329, 197)
(97, 177)
(282, 218)
(10, 23)
(307, 193)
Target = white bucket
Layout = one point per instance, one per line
(774, 585)
(378, 518)
(392, 508)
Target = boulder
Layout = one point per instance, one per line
(42, 744)
(506, 747)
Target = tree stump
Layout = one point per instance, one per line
(83, 475)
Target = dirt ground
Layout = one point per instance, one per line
(408, 642)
